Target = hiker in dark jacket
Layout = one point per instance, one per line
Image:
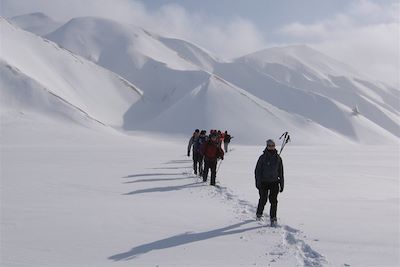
(196, 149)
(211, 152)
(227, 140)
(269, 180)
(192, 143)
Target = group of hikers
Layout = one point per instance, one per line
(206, 150)
(269, 178)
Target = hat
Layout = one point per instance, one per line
(270, 142)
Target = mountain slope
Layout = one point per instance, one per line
(138, 56)
(100, 93)
(300, 58)
(306, 69)
(22, 97)
(101, 39)
(297, 79)
(37, 23)
(217, 104)
(191, 53)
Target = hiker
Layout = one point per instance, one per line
(192, 142)
(211, 152)
(269, 180)
(196, 149)
(227, 140)
(220, 137)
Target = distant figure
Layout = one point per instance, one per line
(192, 142)
(269, 180)
(211, 152)
(227, 140)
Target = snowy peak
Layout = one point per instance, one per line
(190, 52)
(38, 23)
(300, 58)
(104, 41)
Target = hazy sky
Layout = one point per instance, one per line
(362, 33)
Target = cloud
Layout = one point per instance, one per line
(366, 37)
(226, 38)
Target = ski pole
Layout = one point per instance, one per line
(286, 139)
(219, 165)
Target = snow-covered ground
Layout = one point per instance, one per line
(73, 196)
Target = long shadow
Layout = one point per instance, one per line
(171, 168)
(182, 239)
(157, 180)
(163, 189)
(150, 174)
(179, 161)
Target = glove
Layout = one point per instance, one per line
(188, 154)
(281, 185)
(258, 184)
(222, 158)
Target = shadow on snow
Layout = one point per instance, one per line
(157, 180)
(164, 189)
(182, 239)
(150, 174)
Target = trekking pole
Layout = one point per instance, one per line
(219, 165)
(286, 139)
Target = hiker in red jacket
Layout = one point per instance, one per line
(211, 152)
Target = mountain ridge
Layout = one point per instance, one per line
(168, 70)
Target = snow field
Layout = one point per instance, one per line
(79, 197)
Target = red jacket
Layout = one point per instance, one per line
(211, 150)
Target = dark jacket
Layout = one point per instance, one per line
(269, 168)
(199, 142)
(227, 138)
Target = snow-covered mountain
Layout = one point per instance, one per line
(138, 56)
(304, 68)
(35, 72)
(184, 87)
(300, 58)
(219, 104)
(38, 23)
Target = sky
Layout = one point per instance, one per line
(362, 33)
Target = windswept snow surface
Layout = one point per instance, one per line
(72, 196)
